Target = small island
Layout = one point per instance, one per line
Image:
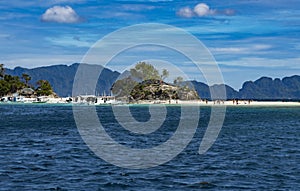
(146, 84)
(16, 89)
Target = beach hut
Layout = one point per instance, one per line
(28, 92)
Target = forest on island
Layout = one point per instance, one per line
(10, 84)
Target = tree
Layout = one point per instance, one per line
(4, 88)
(2, 70)
(26, 77)
(178, 80)
(44, 88)
(14, 83)
(165, 74)
(144, 71)
(9, 84)
(123, 88)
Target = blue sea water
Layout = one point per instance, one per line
(257, 149)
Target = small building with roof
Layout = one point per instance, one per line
(28, 92)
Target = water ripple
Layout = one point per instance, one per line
(257, 149)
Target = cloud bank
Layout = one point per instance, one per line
(201, 10)
(61, 14)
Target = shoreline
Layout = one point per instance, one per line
(240, 103)
(221, 103)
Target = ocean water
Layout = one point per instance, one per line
(257, 149)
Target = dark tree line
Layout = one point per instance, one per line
(13, 84)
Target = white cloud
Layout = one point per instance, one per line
(136, 7)
(241, 50)
(67, 1)
(70, 41)
(201, 10)
(228, 12)
(61, 14)
(38, 60)
(4, 36)
(185, 12)
(289, 63)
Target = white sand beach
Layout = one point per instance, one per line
(225, 103)
(235, 103)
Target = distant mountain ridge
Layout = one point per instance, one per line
(264, 88)
(267, 88)
(61, 78)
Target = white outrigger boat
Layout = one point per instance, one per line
(95, 100)
(41, 99)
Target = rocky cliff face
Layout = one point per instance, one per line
(203, 90)
(159, 90)
(264, 88)
(267, 88)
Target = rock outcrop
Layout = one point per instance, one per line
(159, 90)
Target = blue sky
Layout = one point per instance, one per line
(248, 38)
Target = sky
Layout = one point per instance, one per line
(248, 38)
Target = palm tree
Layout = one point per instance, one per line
(165, 74)
(178, 80)
(26, 77)
(2, 70)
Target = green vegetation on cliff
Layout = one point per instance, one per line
(159, 90)
(146, 83)
(44, 88)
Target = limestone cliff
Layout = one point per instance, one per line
(159, 90)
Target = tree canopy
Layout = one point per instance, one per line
(10, 84)
(26, 77)
(44, 88)
(165, 74)
(2, 70)
(13, 84)
(178, 80)
(144, 71)
(141, 73)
